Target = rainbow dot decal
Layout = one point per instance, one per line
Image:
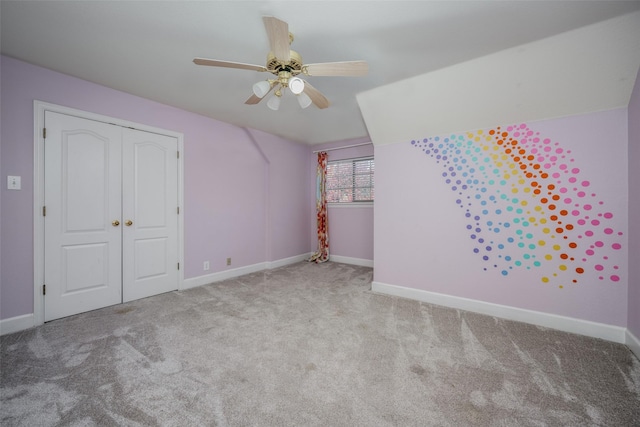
(526, 205)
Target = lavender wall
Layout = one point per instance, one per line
(491, 237)
(350, 227)
(236, 182)
(633, 320)
(287, 166)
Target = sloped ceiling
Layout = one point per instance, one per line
(589, 69)
(146, 48)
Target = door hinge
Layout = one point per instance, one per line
(44, 133)
(178, 266)
(178, 154)
(44, 289)
(178, 210)
(44, 211)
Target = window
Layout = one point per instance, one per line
(350, 181)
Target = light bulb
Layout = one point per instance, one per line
(274, 103)
(304, 100)
(260, 89)
(296, 85)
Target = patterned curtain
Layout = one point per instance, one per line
(322, 254)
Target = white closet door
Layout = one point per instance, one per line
(150, 217)
(83, 242)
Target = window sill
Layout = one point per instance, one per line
(350, 205)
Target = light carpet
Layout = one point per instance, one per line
(309, 345)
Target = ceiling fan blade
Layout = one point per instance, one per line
(228, 64)
(254, 99)
(316, 97)
(278, 32)
(346, 68)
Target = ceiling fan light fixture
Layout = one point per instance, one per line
(286, 64)
(296, 85)
(304, 100)
(260, 89)
(274, 103)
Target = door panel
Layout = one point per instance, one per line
(85, 177)
(82, 197)
(150, 255)
(83, 267)
(150, 198)
(150, 170)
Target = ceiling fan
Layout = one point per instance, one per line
(287, 65)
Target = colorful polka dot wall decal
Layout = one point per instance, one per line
(525, 205)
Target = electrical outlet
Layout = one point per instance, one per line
(228, 261)
(205, 266)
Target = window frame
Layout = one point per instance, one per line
(353, 203)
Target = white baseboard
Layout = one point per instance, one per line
(15, 324)
(241, 271)
(553, 321)
(633, 343)
(222, 275)
(353, 261)
(288, 261)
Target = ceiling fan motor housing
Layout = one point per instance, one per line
(294, 66)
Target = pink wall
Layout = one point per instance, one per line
(453, 217)
(350, 228)
(235, 182)
(634, 211)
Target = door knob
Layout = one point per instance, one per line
(128, 223)
(115, 223)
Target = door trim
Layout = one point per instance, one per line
(39, 108)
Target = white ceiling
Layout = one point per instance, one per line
(146, 48)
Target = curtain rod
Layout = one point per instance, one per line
(346, 146)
